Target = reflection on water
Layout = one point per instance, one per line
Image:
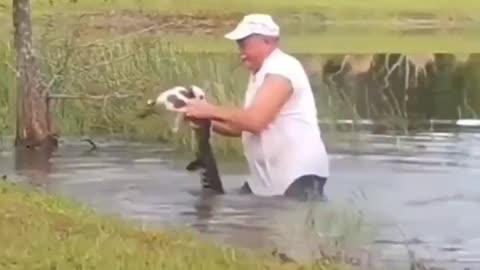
(392, 86)
(419, 191)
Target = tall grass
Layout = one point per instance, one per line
(327, 230)
(7, 90)
(140, 68)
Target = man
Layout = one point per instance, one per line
(278, 124)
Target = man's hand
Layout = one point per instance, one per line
(273, 94)
(200, 109)
(191, 119)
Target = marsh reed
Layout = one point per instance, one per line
(138, 68)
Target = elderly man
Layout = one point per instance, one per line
(278, 123)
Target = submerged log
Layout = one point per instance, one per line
(33, 127)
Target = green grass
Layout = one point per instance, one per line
(45, 231)
(141, 69)
(297, 39)
(374, 25)
(336, 9)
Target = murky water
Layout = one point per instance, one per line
(420, 190)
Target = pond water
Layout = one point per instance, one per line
(421, 191)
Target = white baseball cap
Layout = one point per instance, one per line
(262, 24)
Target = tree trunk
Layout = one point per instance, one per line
(33, 128)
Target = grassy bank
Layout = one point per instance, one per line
(42, 231)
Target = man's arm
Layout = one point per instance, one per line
(226, 129)
(273, 94)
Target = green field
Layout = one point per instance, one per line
(309, 26)
(335, 9)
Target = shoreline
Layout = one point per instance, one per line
(48, 230)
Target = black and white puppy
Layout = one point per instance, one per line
(174, 100)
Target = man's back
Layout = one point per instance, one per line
(291, 146)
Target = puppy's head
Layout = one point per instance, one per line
(173, 100)
(196, 92)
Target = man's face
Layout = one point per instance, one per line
(252, 50)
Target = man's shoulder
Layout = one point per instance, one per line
(284, 61)
(283, 56)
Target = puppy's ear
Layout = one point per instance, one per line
(190, 92)
(198, 92)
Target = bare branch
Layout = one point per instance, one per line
(391, 70)
(387, 83)
(92, 144)
(93, 97)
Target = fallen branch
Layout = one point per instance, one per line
(387, 82)
(92, 144)
(392, 69)
(93, 97)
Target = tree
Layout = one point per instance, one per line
(33, 127)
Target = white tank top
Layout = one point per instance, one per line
(291, 146)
